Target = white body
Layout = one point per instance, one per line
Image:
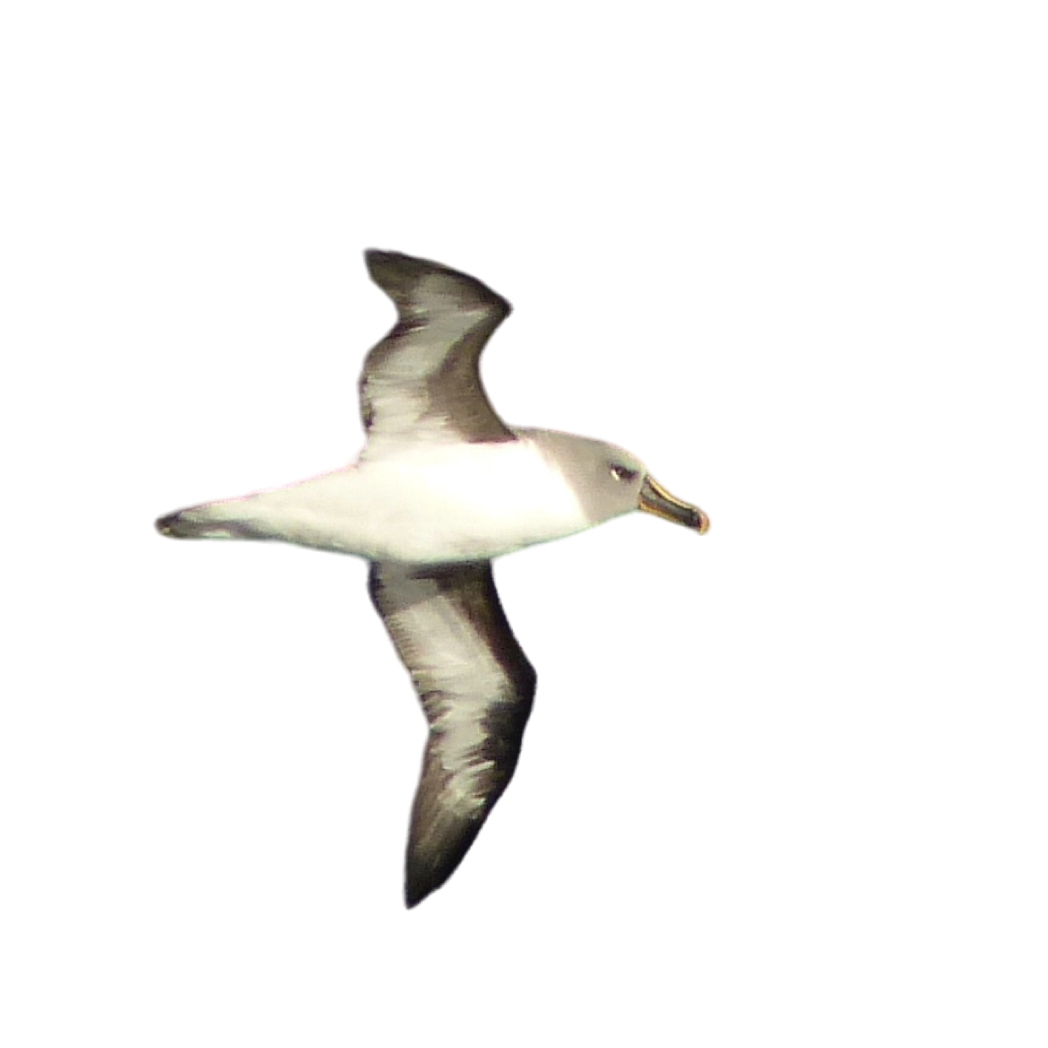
(439, 504)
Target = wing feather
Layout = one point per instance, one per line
(476, 687)
(422, 381)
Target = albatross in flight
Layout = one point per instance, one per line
(442, 487)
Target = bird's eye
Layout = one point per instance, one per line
(622, 473)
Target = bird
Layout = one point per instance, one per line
(441, 488)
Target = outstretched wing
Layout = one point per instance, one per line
(476, 687)
(421, 382)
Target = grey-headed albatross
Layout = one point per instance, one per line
(441, 488)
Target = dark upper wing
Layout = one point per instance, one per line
(476, 687)
(422, 382)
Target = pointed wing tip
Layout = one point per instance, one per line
(381, 261)
(374, 253)
(412, 898)
(420, 883)
(398, 274)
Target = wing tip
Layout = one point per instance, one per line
(397, 274)
(421, 882)
(375, 253)
(414, 895)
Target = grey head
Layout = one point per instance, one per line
(610, 481)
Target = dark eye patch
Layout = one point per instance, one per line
(623, 473)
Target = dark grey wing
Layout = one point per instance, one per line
(422, 382)
(476, 687)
